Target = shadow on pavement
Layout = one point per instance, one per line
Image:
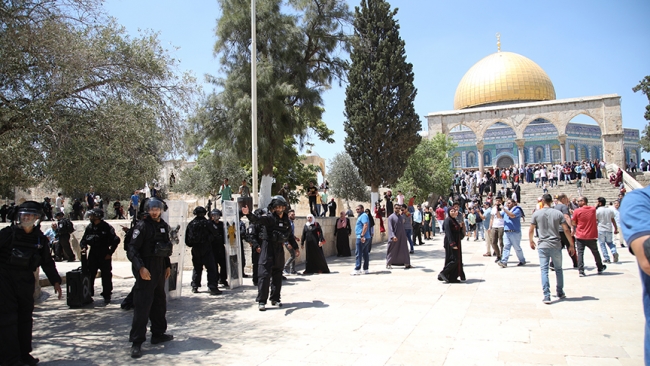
(583, 298)
(609, 273)
(380, 272)
(178, 346)
(293, 306)
(427, 270)
(473, 265)
(474, 280)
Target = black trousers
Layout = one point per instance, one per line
(150, 301)
(63, 248)
(417, 232)
(567, 245)
(219, 253)
(312, 205)
(16, 308)
(592, 244)
(200, 260)
(97, 262)
(270, 270)
(255, 258)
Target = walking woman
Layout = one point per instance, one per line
(453, 252)
(342, 232)
(313, 240)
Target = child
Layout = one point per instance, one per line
(545, 188)
(579, 185)
(471, 218)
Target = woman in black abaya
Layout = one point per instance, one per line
(453, 251)
(312, 239)
(342, 231)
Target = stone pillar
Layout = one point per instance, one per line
(613, 149)
(562, 140)
(520, 149)
(480, 145)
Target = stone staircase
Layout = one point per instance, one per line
(598, 188)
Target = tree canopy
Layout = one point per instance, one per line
(344, 179)
(381, 126)
(428, 170)
(81, 102)
(644, 87)
(300, 50)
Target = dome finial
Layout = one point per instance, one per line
(498, 42)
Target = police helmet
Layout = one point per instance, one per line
(199, 211)
(59, 214)
(96, 213)
(261, 211)
(154, 202)
(21, 213)
(277, 201)
(47, 199)
(215, 212)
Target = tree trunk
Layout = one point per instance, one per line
(265, 190)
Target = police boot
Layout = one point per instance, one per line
(29, 360)
(215, 291)
(136, 350)
(160, 338)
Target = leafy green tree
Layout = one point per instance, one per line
(644, 87)
(345, 181)
(300, 50)
(66, 70)
(381, 126)
(428, 170)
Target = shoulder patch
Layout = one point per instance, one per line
(136, 232)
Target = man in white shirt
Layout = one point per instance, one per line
(496, 227)
(60, 203)
(605, 218)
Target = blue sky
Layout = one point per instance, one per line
(586, 47)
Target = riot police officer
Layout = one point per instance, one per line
(103, 241)
(23, 248)
(271, 262)
(197, 236)
(256, 234)
(64, 228)
(149, 251)
(218, 243)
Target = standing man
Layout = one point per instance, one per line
(397, 252)
(548, 221)
(225, 191)
(23, 248)
(290, 264)
(606, 219)
(512, 233)
(244, 190)
(64, 228)
(312, 192)
(197, 237)
(637, 234)
(271, 263)
(135, 200)
(90, 199)
(77, 209)
(149, 251)
(440, 219)
(218, 243)
(417, 225)
(324, 203)
(362, 231)
(332, 207)
(60, 203)
(487, 218)
(586, 230)
(562, 206)
(497, 227)
(103, 242)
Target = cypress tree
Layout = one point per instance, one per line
(381, 124)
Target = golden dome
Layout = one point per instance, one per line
(503, 77)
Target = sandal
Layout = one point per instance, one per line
(487, 255)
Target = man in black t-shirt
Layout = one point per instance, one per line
(563, 206)
(312, 191)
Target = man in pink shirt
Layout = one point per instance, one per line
(440, 217)
(586, 233)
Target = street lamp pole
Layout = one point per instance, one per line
(254, 100)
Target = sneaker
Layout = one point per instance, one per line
(356, 272)
(285, 272)
(261, 307)
(547, 300)
(615, 257)
(411, 252)
(224, 284)
(622, 245)
(607, 261)
(600, 271)
(294, 272)
(136, 350)
(561, 296)
(497, 260)
(107, 300)
(365, 271)
(274, 303)
(29, 360)
(195, 290)
(215, 291)
(522, 264)
(160, 338)
(501, 264)
(582, 274)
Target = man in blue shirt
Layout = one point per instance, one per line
(135, 200)
(362, 231)
(637, 234)
(511, 214)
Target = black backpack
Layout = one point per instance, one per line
(194, 232)
(67, 226)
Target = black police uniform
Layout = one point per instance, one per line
(218, 243)
(150, 247)
(255, 234)
(202, 253)
(102, 241)
(17, 289)
(271, 260)
(63, 248)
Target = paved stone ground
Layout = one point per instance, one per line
(389, 317)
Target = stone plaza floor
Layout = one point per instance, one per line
(388, 317)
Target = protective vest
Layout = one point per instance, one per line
(281, 231)
(160, 244)
(25, 250)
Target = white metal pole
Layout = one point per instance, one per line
(254, 100)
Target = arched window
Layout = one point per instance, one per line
(487, 158)
(457, 161)
(539, 154)
(471, 159)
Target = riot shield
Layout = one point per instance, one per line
(176, 217)
(233, 250)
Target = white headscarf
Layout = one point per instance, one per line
(313, 221)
